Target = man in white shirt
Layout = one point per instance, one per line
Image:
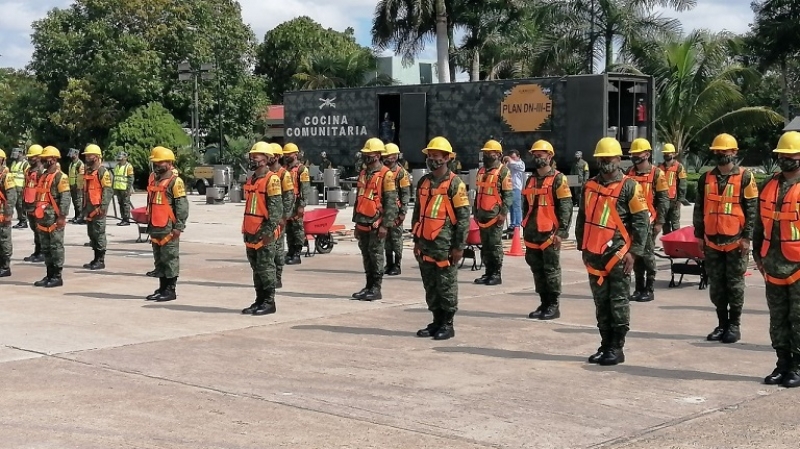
(517, 168)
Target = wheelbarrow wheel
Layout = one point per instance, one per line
(324, 243)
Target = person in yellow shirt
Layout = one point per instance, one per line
(123, 188)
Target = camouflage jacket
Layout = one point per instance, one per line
(561, 198)
(775, 263)
(287, 186)
(403, 182)
(274, 201)
(388, 202)
(660, 191)
(581, 170)
(632, 210)
(59, 190)
(305, 190)
(503, 185)
(452, 236)
(748, 201)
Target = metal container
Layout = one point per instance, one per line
(612, 132)
(223, 175)
(416, 175)
(630, 133)
(472, 179)
(472, 195)
(337, 196)
(235, 195)
(214, 194)
(331, 177)
(352, 196)
(313, 200)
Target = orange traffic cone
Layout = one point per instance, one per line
(516, 244)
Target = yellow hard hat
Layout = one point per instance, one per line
(34, 150)
(373, 145)
(789, 143)
(92, 149)
(51, 151)
(260, 148)
(542, 145)
(290, 148)
(492, 145)
(2, 154)
(724, 142)
(608, 147)
(391, 149)
(640, 145)
(668, 149)
(275, 149)
(439, 143)
(161, 154)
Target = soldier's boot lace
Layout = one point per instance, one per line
(260, 295)
(605, 341)
(168, 294)
(162, 283)
(44, 280)
(552, 311)
(446, 330)
(722, 319)
(431, 329)
(55, 279)
(781, 368)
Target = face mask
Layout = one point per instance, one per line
(788, 165)
(91, 162)
(49, 163)
(637, 160)
(539, 162)
(433, 164)
(724, 159)
(289, 160)
(160, 169)
(254, 165)
(668, 157)
(489, 159)
(609, 167)
(388, 162)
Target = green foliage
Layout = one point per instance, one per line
(353, 69)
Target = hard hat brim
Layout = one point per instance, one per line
(786, 151)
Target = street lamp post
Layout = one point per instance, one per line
(188, 73)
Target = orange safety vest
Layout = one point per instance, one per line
(602, 222)
(29, 191)
(488, 196)
(93, 193)
(44, 198)
(159, 209)
(435, 207)
(646, 182)
(546, 220)
(3, 175)
(723, 210)
(369, 202)
(672, 179)
(788, 217)
(296, 179)
(255, 209)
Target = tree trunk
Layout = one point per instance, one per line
(442, 43)
(609, 50)
(476, 66)
(785, 92)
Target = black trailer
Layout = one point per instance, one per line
(572, 112)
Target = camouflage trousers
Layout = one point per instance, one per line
(612, 307)
(279, 253)
(167, 257)
(6, 248)
(725, 272)
(546, 268)
(124, 202)
(37, 242)
(672, 221)
(644, 267)
(52, 244)
(20, 206)
(372, 248)
(262, 262)
(77, 199)
(394, 243)
(441, 286)
(295, 236)
(492, 248)
(96, 229)
(784, 317)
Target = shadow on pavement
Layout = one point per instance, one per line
(508, 354)
(197, 309)
(100, 295)
(631, 334)
(741, 346)
(474, 313)
(355, 330)
(711, 309)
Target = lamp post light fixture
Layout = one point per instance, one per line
(188, 73)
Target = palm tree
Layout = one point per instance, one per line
(696, 87)
(330, 71)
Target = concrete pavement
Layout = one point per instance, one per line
(93, 365)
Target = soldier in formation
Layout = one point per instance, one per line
(374, 213)
(123, 187)
(8, 198)
(287, 187)
(167, 212)
(676, 188)
(724, 219)
(394, 240)
(263, 215)
(76, 171)
(301, 180)
(50, 212)
(611, 228)
(29, 199)
(581, 170)
(776, 250)
(97, 196)
(654, 188)
(19, 168)
(440, 224)
(494, 198)
(547, 216)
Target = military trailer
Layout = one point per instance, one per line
(572, 112)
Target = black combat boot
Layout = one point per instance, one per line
(495, 278)
(360, 294)
(5, 270)
(162, 284)
(55, 279)
(23, 224)
(259, 300)
(152, 274)
(99, 261)
(486, 275)
(605, 343)
(37, 253)
(722, 319)
(395, 270)
(293, 256)
(389, 256)
(168, 294)
(542, 306)
(268, 306)
(431, 329)
(552, 311)
(374, 292)
(89, 265)
(733, 333)
(614, 354)
(639, 292)
(783, 366)
(279, 277)
(649, 291)
(446, 330)
(792, 377)
(44, 280)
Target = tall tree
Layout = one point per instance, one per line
(354, 69)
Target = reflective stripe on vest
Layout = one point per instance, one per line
(29, 190)
(73, 172)
(672, 179)
(159, 209)
(602, 222)
(488, 196)
(121, 177)
(369, 202)
(787, 214)
(256, 211)
(646, 182)
(723, 211)
(43, 196)
(18, 169)
(542, 200)
(435, 207)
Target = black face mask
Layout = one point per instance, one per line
(91, 162)
(540, 162)
(388, 162)
(609, 167)
(50, 163)
(489, 159)
(637, 160)
(723, 159)
(289, 160)
(434, 165)
(159, 169)
(253, 165)
(668, 157)
(788, 165)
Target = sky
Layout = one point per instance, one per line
(16, 17)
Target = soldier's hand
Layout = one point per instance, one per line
(744, 244)
(176, 234)
(501, 219)
(627, 261)
(701, 245)
(382, 231)
(100, 213)
(455, 255)
(61, 222)
(657, 230)
(300, 211)
(556, 242)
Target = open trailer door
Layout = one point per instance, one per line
(413, 129)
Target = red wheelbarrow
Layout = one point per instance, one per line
(139, 216)
(682, 244)
(318, 226)
(473, 246)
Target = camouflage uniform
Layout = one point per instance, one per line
(288, 208)
(581, 170)
(491, 223)
(677, 195)
(50, 235)
(166, 248)
(726, 268)
(295, 233)
(370, 244)
(76, 172)
(645, 266)
(611, 291)
(261, 253)
(394, 239)
(95, 216)
(37, 255)
(8, 198)
(439, 272)
(541, 255)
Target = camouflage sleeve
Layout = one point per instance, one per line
(130, 177)
(638, 220)
(749, 204)
(661, 197)
(305, 186)
(563, 202)
(108, 191)
(389, 199)
(458, 192)
(682, 182)
(580, 220)
(11, 197)
(276, 207)
(507, 191)
(288, 204)
(415, 213)
(758, 232)
(180, 203)
(403, 192)
(699, 213)
(64, 199)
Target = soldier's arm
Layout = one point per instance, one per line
(699, 213)
(460, 200)
(584, 172)
(130, 177)
(758, 232)
(506, 191)
(415, 213)
(64, 198)
(661, 197)
(682, 183)
(389, 200)
(404, 193)
(288, 194)
(563, 197)
(580, 220)
(275, 201)
(181, 204)
(11, 196)
(108, 191)
(638, 222)
(749, 204)
(305, 186)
